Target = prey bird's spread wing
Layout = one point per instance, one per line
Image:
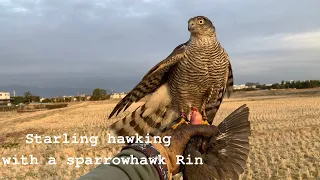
(215, 101)
(151, 81)
(226, 154)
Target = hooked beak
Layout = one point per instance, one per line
(190, 26)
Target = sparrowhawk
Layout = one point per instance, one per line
(197, 74)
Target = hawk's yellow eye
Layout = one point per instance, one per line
(201, 21)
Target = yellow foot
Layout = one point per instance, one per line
(182, 121)
(205, 122)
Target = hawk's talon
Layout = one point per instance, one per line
(206, 122)
(182, 121)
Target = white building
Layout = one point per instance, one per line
(4, 97)
(117, 95)
(241, 86)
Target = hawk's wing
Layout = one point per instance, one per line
(229, 85)
(179, 49)
(213, 105)
(151, 81)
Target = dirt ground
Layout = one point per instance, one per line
(284, 144)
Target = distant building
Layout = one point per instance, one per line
(4, 97)
(253, 86)
(122, 95)
(88, 97)
(241, 86)
(117, 95)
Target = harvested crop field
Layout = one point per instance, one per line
(285, 138)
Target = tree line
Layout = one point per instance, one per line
(27, 98)
(97, 95)
(286, 85)
(298, 84)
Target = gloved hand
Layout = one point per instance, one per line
(179, 139)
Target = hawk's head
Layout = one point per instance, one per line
(200, 25)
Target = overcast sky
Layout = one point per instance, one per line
(113, 43)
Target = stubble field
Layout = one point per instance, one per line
(285, 140)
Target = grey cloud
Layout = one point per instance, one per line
(115, 42)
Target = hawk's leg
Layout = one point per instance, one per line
(182, 120)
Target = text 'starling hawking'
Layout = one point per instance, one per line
(94, 140)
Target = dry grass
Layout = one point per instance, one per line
(285, 138)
